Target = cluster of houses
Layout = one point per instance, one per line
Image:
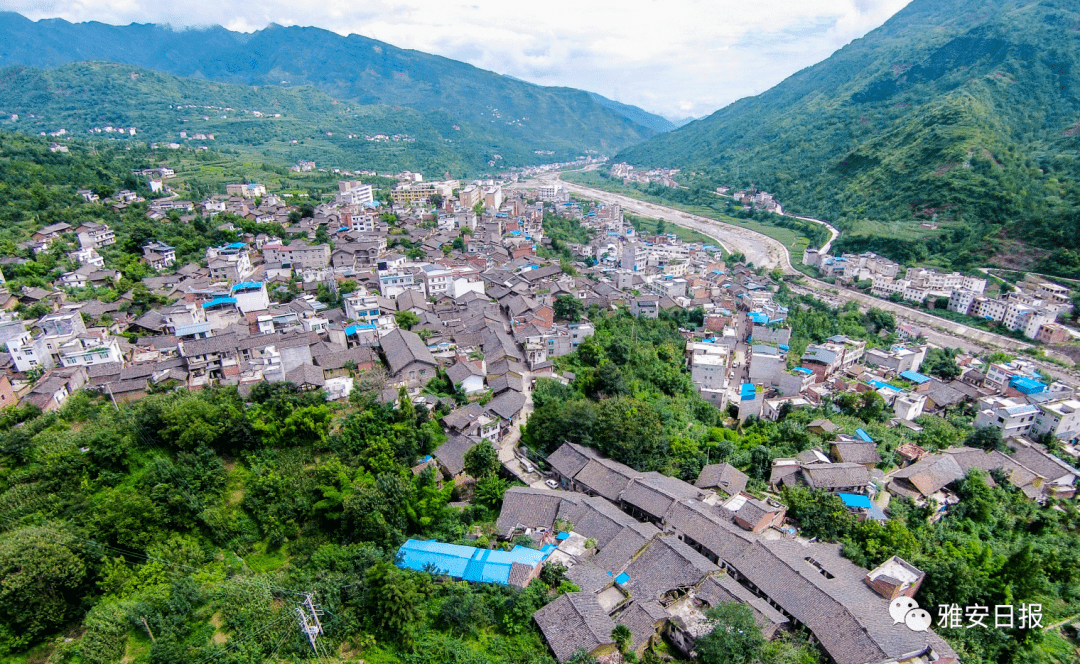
(453, 287)
(1032, 308)
(628, 174)
(654, 553)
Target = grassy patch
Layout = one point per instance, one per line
(266, 560)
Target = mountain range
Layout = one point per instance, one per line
(952, 111)
(519, 121)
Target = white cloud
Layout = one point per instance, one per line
(669, 56)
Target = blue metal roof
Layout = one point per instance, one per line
(562, 536)
(855, 500)
(1027, 385)
(879, 384)
(747, 392)
(218, 301)
(863, 436)
(194, 328)
(244, 285)
(466, 562)
(758, 317)
(622, 578)
(914, 377)
(236, 245)
(353, 329)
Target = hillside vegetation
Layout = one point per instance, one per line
(312, 125)
(512, 118)
(952, 110)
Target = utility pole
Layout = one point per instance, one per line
(108, 387)
(147, 626)
(308, 617)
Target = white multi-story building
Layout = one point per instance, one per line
(86, 350)
(30, 354)
(93, 235)
(354, 192)
(358, 222)
(362, 306)
(1014, 418)
(159, 255)
(635, 257)
(1060, 419)
(709, 371)
(87, 257)
(395, 282)
(230, 262)
(549, 192)
(1053, 293)
(897, 358)
(962, 300)
(250, 296)
(250, 190)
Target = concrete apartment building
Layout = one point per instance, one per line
(298, 254)
(1014, 418)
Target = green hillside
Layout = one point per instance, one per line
(505, 114)
(952, 110)
(80, 97)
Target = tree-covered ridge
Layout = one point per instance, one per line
(507, 113)
(312, 125)
(202, 519)
(951, 110)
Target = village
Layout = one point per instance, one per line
(465, 283)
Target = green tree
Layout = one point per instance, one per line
(623, 637)
(985, 438)
(406, 319)
(42, 571)
(941, 362)
(819, 513)
(490, 490)
(394, 605)
(735, 637)
(482, 460)
(568, 308)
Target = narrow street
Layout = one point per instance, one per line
(508, 446)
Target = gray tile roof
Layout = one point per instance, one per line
(532, 508)
(590, 577)
(835, 475)
(642, 618)
(861, 453)
(402, 348)
(507, 405)
(452, 453)
(723, 476)
(606, 477)
(655, 493)
(570, 458)
(931, 474)
(665, 564)
(720, 588)
(306, 374)
(575, 620)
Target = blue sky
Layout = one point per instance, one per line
(672, 57)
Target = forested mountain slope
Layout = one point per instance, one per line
(954, 109)
(282, 124)
(352, 68)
